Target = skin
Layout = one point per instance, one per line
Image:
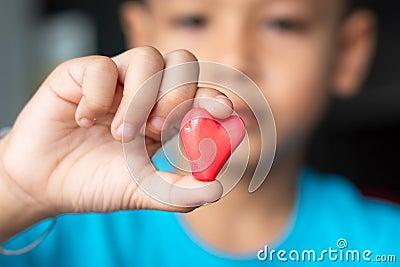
(298, 52)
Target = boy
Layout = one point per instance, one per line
(63, 154)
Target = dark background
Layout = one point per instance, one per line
(359, 138)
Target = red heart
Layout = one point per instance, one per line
(209, 142)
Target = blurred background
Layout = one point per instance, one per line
(359, 138)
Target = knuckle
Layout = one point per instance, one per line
(103, 65)
(150, 54)
(70, 70)
(100, 65)
(64, 66)
(181, 55)
(69, 62)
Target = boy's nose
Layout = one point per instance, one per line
(236, 49)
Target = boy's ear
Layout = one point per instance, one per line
(357, 42)
(135, 23)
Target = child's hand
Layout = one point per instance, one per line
(64, 153)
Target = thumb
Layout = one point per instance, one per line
(178, 194)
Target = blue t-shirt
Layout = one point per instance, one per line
(330, 225)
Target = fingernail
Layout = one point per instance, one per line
(86, 123)
(221, 97)
(157, 123)
(205, 204)
(127, 131)
(215, 200)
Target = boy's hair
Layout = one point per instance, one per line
(357, 4)
(351, 4)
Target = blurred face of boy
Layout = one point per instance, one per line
(297, 51)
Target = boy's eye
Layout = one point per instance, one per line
(286, 25)
(191, 22)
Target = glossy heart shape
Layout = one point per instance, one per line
(209, 142)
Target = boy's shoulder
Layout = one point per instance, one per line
(340, 193)
(334, 208)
